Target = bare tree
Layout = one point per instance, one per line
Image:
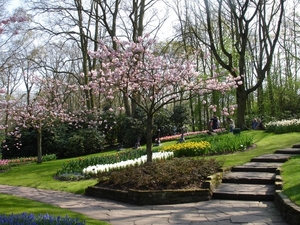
(239, 32)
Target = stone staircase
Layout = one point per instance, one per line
(257, 180)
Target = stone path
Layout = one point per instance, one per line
(255, 180)
(213, 212)
(242, 198)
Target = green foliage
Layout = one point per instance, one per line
(28, 148)
(180, 116)
(50, 157)
(130, 129)
(61, 139)
(82, 142)
(109, 127)
(169, 174)
(163, 123)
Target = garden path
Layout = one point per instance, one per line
(213, 212)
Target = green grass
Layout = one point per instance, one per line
(291, 178)
(11, 204)
(265, 143)
(41, 175)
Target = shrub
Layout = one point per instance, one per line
(63, 140)
(109, 127)
(49, 157)
(41, 219)
(129, 130)
(227, 143)
(162, 122)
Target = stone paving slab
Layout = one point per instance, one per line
(213, 212)
(272, 158)
(296, 145)
(244, 191)
(249, 178)
(258, 167)
(288, 151)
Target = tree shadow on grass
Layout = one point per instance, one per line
(293, 193)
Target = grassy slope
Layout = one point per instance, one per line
(291, 178)
(265, 143)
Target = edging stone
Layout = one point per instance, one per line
(289, 211)
(151, 197)
(159, 197)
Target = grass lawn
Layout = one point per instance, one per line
(41, 175)
(291, 178)
(11, 204)
(265, 143)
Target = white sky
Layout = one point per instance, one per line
(12, 4)
(164, 33)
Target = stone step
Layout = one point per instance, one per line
(249, 178)
(288, 151)
(272, 158)
(250, 192)
(269, 167)
(296, 145)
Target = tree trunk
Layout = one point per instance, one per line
(39, 145)
(149, 133)
(241, 96)
(271, 96)
(192, 113)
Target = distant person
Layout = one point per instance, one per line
(260, 125)
(254, 124)
(214, 122)
(231, 124)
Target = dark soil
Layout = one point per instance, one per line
(178, 173)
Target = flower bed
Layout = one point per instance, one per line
(41, 219)
(177, 136)
(283, 126)
(188, 149)
(6, 164)
(95, 169)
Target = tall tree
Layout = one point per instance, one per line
(239, 31)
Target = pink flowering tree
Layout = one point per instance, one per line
(152, 81)
(12, 20)
(47, 107)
